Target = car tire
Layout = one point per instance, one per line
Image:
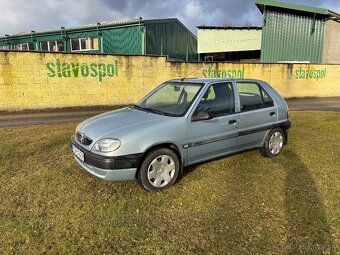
(159, 170)
(273, 144)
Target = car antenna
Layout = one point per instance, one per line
(192, 73)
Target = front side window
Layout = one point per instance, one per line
(89, 43)
(219, 100)
(253, 96)
(172, 98)
(24, 46)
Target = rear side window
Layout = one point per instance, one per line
(218, 100)
(253, 96)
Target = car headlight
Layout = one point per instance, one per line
(106, 145)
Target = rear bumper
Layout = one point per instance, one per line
(108, 168)
(286, 125)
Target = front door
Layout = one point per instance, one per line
(217, 136)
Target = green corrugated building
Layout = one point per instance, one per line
(229, 43)
(138, 37)
(299, 33)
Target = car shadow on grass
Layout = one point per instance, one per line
(308, 229)
(191, 168)
(227, 222)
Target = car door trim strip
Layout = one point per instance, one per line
(285, 124)
(212, 140)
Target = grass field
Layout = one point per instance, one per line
(242, 204)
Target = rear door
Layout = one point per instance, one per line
(257, 113)
(217, 136)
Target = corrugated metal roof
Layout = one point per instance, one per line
(75, 28)
(262, 4)
(101, 25)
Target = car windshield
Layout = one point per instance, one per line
(170, 98)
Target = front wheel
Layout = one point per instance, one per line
(159, 170)
(273, 144)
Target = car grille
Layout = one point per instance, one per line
(83, 139)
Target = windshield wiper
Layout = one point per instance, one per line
(135, 106)
(155, 111)
(148, 109)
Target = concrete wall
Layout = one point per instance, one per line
(33, 80)
(332, 43)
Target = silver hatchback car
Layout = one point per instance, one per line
(180, 123)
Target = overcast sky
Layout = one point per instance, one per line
(26, 15)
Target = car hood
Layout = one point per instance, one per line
(115, 124)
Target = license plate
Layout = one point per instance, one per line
(78, 153)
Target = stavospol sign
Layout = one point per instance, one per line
(95, 70)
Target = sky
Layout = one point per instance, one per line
(25, 15)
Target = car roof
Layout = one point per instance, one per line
(211, 80)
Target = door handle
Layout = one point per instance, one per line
(272, 114)
(232, 122)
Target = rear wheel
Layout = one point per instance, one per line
(273, 144)
(159, 170)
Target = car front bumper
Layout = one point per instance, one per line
(109, 175)
(108, 168)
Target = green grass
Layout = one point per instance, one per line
(242, 204)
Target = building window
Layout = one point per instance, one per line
(24, 46)
(88, 43)
(4, 47)
(52, 46)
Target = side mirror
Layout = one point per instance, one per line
(202, 115)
